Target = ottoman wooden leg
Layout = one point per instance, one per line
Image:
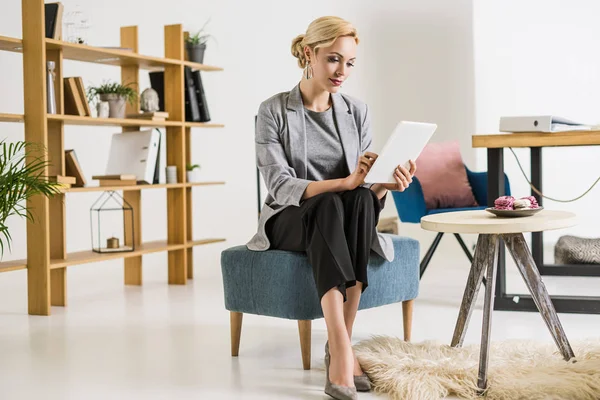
(236, 331)
(483, 257)
(304, 328)
(517, 246)
(407, 314)
(488, 307)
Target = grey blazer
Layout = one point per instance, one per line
(280, 140)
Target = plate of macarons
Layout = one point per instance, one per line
(510, 207)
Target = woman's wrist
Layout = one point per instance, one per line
(379, 190)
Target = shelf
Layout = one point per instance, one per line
(98, 55)
(203, 125)
(85, 257)
(140, 187)
(11, 44)
(15, 265)
(83, 52)
(201, 67)
(79, 120)
(204, 241)
(12, 118)
(88, 256)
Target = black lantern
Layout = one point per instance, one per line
(112, 224)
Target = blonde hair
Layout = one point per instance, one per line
(322, 32)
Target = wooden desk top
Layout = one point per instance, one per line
(481, 221)
(537, 139)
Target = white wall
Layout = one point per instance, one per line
(540, 57)
(415, 62)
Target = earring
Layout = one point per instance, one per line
(308, 72)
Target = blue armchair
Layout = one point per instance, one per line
(411, 208)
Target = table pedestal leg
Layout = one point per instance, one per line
(481, 259)
(488, 307)
(520, 253)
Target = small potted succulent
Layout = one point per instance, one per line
(193, 172)
(196, 45)
(115, 94)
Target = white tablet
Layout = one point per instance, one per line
(406, 143)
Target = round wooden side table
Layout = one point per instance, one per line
(492, 230)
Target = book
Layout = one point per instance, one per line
(53, 20)
(115, 177)
(117, 182)
(73, 103)
(72, 168)
(134, 153)
(201, 97)
(192, 111)
(83, 96)
(157, 82)
(150, 115)
(70, 180)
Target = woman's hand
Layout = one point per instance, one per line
(357, 178)
(403, 178)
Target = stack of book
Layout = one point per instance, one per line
(116, 180)
(151, 115)
(196, 107)
(75, 99)
(65, 182)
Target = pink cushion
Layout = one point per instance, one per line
(443, 177)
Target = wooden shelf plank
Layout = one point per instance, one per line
(190, 184)
(204, 241)
(79, 120)
(12, 117)
(203, 125)
(124, 188)
(85, 257)
(15, 265)
(140, 187)
(82, 52)
(201, 67)
(11, 44)
(537, 139)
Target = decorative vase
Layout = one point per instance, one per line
(193, 175)
(102, 109)
(196, 52)
(116, 105)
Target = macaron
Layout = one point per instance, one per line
(504, 203)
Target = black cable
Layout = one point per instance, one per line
(536, 190)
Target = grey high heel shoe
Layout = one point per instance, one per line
(336, 391)
(362, 382)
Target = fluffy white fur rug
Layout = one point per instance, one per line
(517, 370)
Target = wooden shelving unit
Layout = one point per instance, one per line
(47, 257)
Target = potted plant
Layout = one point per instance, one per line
(19, 181)
(115, 94)
(193, 172)
(196, 45)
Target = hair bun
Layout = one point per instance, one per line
(298, 50)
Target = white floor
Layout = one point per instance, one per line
(172, 342)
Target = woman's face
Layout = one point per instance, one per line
(333, 65)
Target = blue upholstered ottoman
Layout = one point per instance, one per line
(280, 284)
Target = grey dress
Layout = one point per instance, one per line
(281, 155)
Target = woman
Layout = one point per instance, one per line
(312, 150)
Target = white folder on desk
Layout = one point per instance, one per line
(540, 123)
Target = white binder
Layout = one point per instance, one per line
(134, 153)
(540, 123)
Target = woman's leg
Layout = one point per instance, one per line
(361, 208)
(317, 227)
